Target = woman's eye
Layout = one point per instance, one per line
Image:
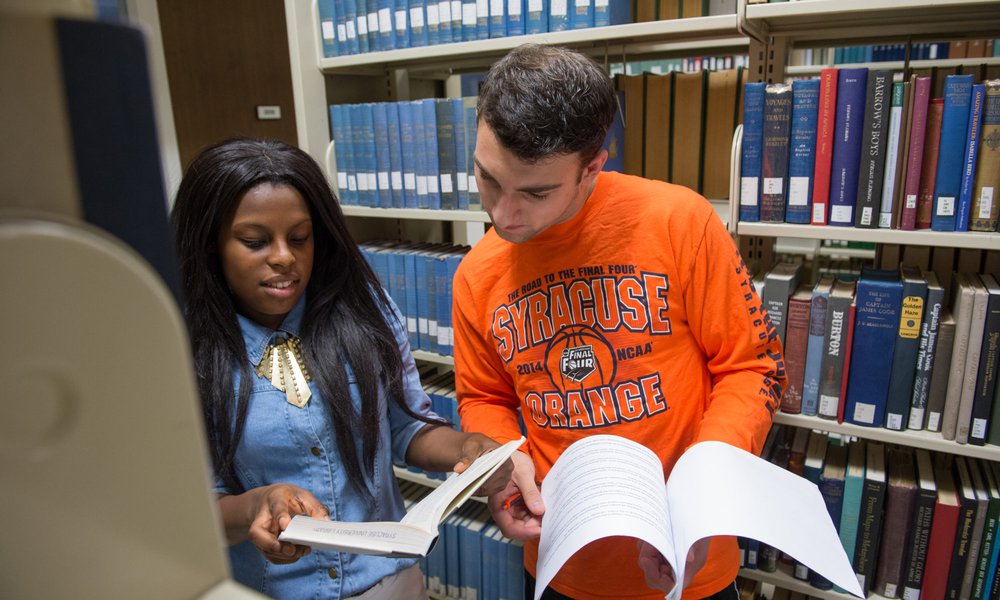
(253, 244)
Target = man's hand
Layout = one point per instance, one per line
(522, 519)
(660, 575)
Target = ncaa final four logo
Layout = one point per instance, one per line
(576, 363)
(579, 357)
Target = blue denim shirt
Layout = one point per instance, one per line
(284, 443)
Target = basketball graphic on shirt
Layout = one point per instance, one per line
(578, 357)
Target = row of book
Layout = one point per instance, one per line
(472, 559)
(418, 277)
(678, 127)
(361, 26)
(890, 350)
(415, 154)
(687, 64)
(915, 525)
(920, 51)
(854, 148)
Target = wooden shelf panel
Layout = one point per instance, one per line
(857, 20)
(918, 439)
(923, 237)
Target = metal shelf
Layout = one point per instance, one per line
(421, 479)
(857, 20)
(475, 216)
(895, 65)
(924, 237)
(432, 357)
(918, 439)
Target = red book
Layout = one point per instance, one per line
(825, 121)
(928, 175)
(944, 528)
(796, 341)
(915, 157)
(848, 342)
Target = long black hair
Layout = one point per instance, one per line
(344, 313)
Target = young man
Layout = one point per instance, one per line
(600, 303)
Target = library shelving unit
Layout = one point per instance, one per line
(782, 26)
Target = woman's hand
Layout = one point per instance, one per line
(261, 514)
(474, 446)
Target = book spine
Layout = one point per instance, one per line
(445, 32)
(361, 25)
(353, 154)
(802, 149)
(795, 348)
(872, 154)
(893, 150)
(774, 160)
(848, 347)
(537, 20)
(814, 352)
(925, 356)
(832, 368)
(340, 149)
(918, 130)
(418, 24)
(515, 17)
(497, 24)
(446, 154)
(407, 132)
(461, 160)
(752, 150)
(328, 27)
(954, 129)
(401, 24)
(920, 534)
(971, 153)
(904, 359)
(558, 15)
(986, 192)
(986, 377)
(895, 529)
(395, 154)
(875, 328)
(928, 176)
(825, 121)
(582, 15)
(848, 136)
(382, 160)
(374, 30)
(869, 532)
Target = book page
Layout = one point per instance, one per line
(459, 487)
(381, 538)
(601, 486)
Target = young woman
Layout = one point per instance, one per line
(308, 387)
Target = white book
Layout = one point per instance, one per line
(415, 533)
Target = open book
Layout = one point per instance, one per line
(415, 533)
(605, 485)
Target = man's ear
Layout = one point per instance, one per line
(591, 169)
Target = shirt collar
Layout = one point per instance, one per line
(256, 337)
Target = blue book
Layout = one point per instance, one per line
(615, 140)
(447, 162)
(424, 292)
(559, 15)
(382, 160)
(951, 157)
(369, 188)
(461, 160)
(815, 345)
(453, 553)
(340, 149)
(469, 11)
(340, 28)
(433, 164)
(879, 298)
(751, 151)
(456, 20)
(482, 19)
(904, 358)
(328, 27)
(831, 487)
(432, 12)
(411, 301)
(498, 19)
(437, 325)
(612, 12)
(847, 136)
(401, 23)
(469, 113)
(854, 481)
(351, 154)
(802, 150)
(515, 17)
(581, 14)
(515, 569)
(473, 549)
(420, 150)
(971, 155)
(395, 154)
(361, 24)
(418, 24)
(407, 137)
(536, 17)
(446, 30)
(386, 27)
(374, 31)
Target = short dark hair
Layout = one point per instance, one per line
(546, 100)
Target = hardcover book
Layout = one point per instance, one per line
(854, 482)
(872, 153)
(932, 149)
(825, 120)
(796, 343)
(831, 486)
(983, 577)
(963, 298)
(969, 155)
(974, 348)
(802, 150)
(654, 141)
(751, 151)
(879, 300)
(901, 495)
(835, 348)
(895, 153)
(721, 107)
(774, 162)
(954, 135)
(941, 543)
(904, 358)
(986, 191)
(940, 371)
(981, 507)
(989, 354)
(852, 86)
(688, 129)
(815, 345)
(779, 284)
(926, 352)
(870, 521)
(415, 533)
(920, 532)
(915, 152)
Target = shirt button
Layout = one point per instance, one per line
(315, 451)
(332, 572)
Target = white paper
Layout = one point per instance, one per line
(606, 485)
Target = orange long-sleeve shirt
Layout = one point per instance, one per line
(636, 317)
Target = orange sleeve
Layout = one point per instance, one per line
(739, 341)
